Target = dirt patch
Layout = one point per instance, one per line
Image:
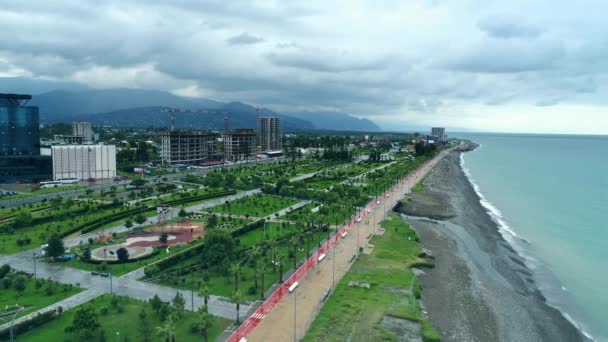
(406, 331)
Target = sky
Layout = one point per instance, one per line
(495, 66)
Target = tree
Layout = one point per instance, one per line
(55, 246)
(204, 321)
(128, 223)
(4, 270)
(86, 255)
(256, 251)
(262, 268)
(236, 268)
(212, 221)
(19, 285)
(22, 219)
(294, 243)
(140, 219)
(182, 213)
(179, 303)
(163, 238)
(219, 246)
(167, 330)
(122, 254)
(156, 303)
(144, 327)
(138, 182)
(85, 321)
(237, 299)
(204, 292)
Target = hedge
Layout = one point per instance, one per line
(27, 325)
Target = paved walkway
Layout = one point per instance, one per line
(299, 309)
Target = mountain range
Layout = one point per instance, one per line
(122, 107)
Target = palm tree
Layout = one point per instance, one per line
(204, 321)
(236, 268)
(308, 238)
(167, 330)
(204, 292)
(274, 249)
(294, 243)
(256, 251)
(237, 299)
(263, 268)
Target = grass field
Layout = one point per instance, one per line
(257, 205)
(356, 313)
(122, 324)
(34, 299)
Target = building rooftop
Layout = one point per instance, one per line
(15, 99)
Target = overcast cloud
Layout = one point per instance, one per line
(515, 66)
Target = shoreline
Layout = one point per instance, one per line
(481, 288)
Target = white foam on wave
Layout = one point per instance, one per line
(511, 237)
(577, 326)
(494, 213)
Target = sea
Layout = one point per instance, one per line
(549, 195)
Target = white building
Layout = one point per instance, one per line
(84, 161)
(83, 129)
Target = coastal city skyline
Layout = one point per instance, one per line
(260, 171)
(515, 68)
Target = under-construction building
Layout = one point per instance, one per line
(239, 144)
(270, 136)
(189, 147)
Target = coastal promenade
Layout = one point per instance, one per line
(290, 318)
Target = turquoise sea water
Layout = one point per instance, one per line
(551, 191)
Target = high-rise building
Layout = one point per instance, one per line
(20, 158)
(19, 135)
(439, 134)
(83, 129)
(239, 144)
(270, 136)
(84, 161)
(189, 147)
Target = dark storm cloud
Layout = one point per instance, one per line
(391, 58)
(244, 39)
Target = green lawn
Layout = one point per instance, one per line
(419, 187)
(31, 298)
(125, 322)
(357, 311)
(257, 205)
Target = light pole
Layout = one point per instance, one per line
(34, 265)
(117, 336)
(13, 321)
(333, 272)
(105, 259)
(295, 304)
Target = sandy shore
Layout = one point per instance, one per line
(480, 289)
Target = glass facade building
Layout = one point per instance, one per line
(19, 135)
(20, 159)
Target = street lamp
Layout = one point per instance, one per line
(34, 265)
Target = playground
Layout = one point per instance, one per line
(141, 244)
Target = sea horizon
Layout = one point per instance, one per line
(534, 215)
